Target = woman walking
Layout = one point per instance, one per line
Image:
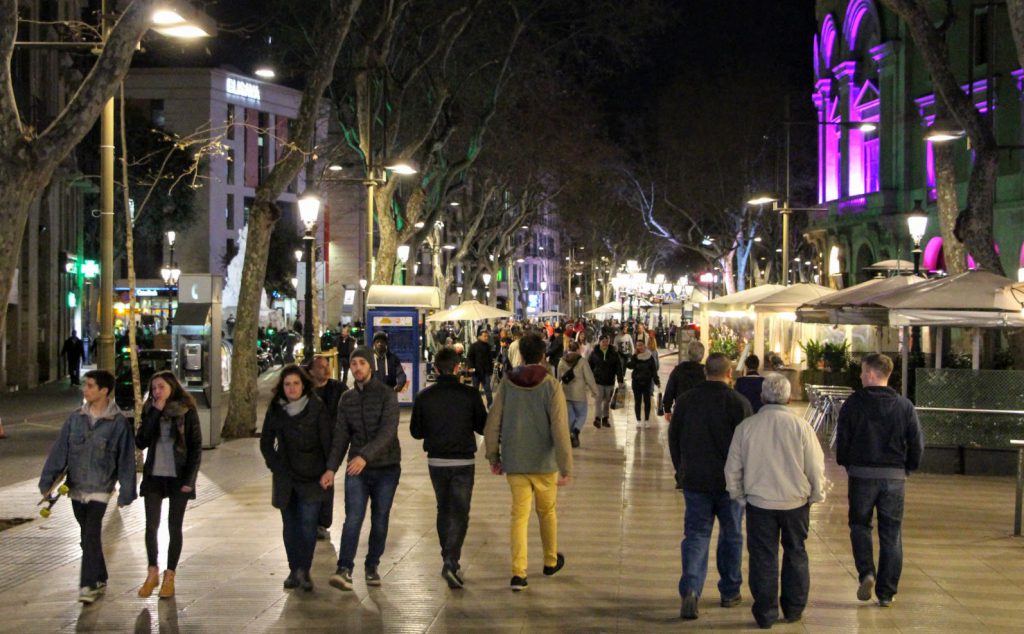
(577, 380)
(170, 431)
(644, 378)
(295, 442)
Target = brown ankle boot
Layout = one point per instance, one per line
(167, 589)
(151, 582)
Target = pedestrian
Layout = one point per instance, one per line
(367, 432)
(527, 439)
(749, 384)
(170, 431)
(776, 469)
(73, 351)
(644, 378)
(608, 369)
(346, 344)
(684, 377)
(96, 448)
(386, 366)
(295, 442)
(577, 382)
(329, 390)
(556, 348)
(699, 436)
(446, 416)
(514, 358)
(624, 343)
(879, 442)
(481, 363)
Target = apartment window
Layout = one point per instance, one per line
(229, 212)
(247, 209)
(263, 146)
(229, 160)
(230, 122)
(981, 37)
(156, 113)
(230, 250)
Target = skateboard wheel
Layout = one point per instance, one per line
(45, 512)
(63, 490)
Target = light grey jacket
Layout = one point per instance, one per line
(576, 390)
(775, 461)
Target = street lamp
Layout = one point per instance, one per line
(473, 292)
(579, 301)
(487, 282)
(170, 275)
(403, 257)
(544, 296)
(362, 287)
(309, 211)
(917, 224)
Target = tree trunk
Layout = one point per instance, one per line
(953, 250)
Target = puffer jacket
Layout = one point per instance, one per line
(295, 449)
(606, 366)
(188, 442)
(96, 456)
(645, 370)
(367, 426)
(583, 381)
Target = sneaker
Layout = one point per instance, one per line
(323, 534)
(89, 594)
(731, 602)
(794, 618)
(518, 584)
(689, 608)
(341, 579)
(372, 578)
(867, 585)
(885, 603)
(597, 422)
(305, 582)
(574, 439)
(559, 563)
(605, 423)
(291, 581)
(451, 575)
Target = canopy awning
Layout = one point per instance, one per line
(854, 305)
(742, 300)
(471, 310)
(789, 298)
(383, 295)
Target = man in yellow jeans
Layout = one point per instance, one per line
(527, 438)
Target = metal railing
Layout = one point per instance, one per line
(822, 413)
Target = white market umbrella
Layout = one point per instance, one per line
(855, 305)
(891, 265)
(471, 310)
(742, 300)
(790, 297)
(550, 313)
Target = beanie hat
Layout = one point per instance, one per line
(363, 353)
(380, 334)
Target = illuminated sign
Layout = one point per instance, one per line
(242, 88)
(146, 292)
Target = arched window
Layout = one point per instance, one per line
(934, 259)
(827, 44)
(861, 28)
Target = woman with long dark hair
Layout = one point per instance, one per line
(295, 442)
(170, 431)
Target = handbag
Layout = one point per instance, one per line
(570, 374)
(661, 406)
(618, 397)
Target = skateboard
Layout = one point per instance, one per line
(57, 489)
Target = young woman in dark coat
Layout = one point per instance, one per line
(295, 442)
(170, 431)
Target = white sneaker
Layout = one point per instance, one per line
(89, 595)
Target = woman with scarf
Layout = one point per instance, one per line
(644, 378)
(170, 431)
(295, 441)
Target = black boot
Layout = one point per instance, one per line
(574, 438)
(305, 582)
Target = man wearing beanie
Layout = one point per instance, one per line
(366, 430)
(385, 364)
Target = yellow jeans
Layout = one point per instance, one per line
(525, 487)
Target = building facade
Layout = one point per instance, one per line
(875, 102)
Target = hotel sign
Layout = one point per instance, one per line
(241, 88)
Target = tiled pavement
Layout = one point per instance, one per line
(620, 525)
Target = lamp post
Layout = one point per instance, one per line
(487, 282)
(403, 258)
(544, 296)
(170, 275)
(579, 301)
(362, 288)
(473, 292)
(917, 224)
(309, 210)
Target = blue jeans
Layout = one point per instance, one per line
(299, 519)
(577, 415)
(376, 488)
(701, 511)
(486, 381)
(866, 495)
(453, 488)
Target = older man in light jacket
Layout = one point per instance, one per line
(776, 467)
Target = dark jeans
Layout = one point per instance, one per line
(486, 381)
(765, 529)
(327, 508)
(866, 495)
(376, 488)
(90, 520)
(701, 511)
(642, 392)
(75, 369)
(453, 488)
(299, 519)
(175, 517)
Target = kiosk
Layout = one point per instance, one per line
(399, 311)
(201, 358)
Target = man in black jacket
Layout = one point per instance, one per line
(345, 345)
(445, 417)
(387, 367)
(366, 430)
(482, 363)
(879, 442)
(699, 436)
(329, 390)
(685, 376)
(556, 348)
(606, 364)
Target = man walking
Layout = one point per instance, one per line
(97, 448)
(777, 470)
(387, 368)
(607, 367)
(527, 438)
(684, 377)
(329, 390)
(73, 351)
(366, 430)
(879, 442)
(699, 436)
(482, 363)
(346, 344)
(445, 417)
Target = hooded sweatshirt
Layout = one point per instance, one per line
(583, 381)
(527, 428)
(878, 435)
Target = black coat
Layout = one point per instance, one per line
(445, 417)
(606, 366)
(480, 359)
(188, 443)
(330, 393)
(685, 376)
(295, 449)
(367, 426)
(700, 434)
(879, 428)
(645, 372)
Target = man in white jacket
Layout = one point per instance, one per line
(776, 467)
